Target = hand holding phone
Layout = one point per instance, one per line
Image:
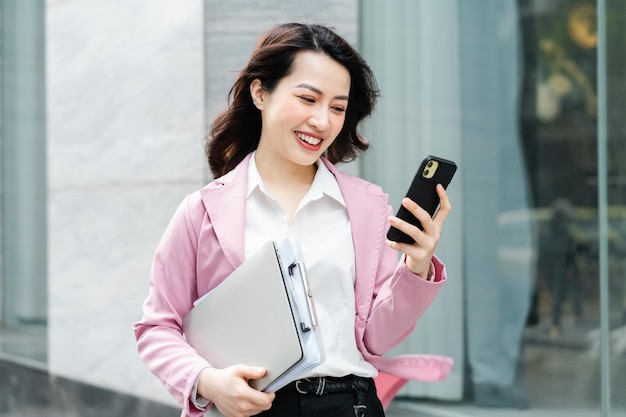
(432, 171)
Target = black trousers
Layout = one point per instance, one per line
(291, 403)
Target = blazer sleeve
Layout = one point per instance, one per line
(172, 290)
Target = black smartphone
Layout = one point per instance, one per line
(432, 171)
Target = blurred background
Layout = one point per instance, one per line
(103, 110)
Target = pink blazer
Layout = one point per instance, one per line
(204, 243)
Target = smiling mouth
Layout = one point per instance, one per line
(308, 139)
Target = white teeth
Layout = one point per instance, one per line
(308, 139)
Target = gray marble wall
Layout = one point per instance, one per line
(125, 107)
(131, 87)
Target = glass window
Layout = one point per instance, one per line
(559, 136)
(524, 131)
(23, 182)
(616, 182)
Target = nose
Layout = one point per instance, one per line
(320, 119)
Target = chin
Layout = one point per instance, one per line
(306, 158)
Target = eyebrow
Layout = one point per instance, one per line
(318, 91)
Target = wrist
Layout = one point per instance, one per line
(427, 274)
(204, 383)
(198, 400)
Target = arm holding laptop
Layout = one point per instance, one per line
(174, 286)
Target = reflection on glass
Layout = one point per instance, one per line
(531, 226)
(559, 125)
(498, 227)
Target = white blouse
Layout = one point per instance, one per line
(322, 229)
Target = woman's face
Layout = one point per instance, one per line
(304, 114)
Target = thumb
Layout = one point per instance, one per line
(252, 372)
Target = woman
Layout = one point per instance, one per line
(293, 113)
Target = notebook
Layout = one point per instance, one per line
(260, 315)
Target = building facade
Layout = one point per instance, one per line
(103, 111)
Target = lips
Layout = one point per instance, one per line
(313, 141)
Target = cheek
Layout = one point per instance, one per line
(280, 115)
(337, 124)
(293, 113)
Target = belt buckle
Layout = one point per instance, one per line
(319, 390)
(298, 385)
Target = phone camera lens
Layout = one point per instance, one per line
(430, 164)
(426, 173)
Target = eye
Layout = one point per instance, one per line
(339, 109)
(307, 99)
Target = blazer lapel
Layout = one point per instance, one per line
(225, 202)
(367, 230)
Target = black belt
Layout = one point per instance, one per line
(330, 385)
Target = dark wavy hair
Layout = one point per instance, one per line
(236, 132)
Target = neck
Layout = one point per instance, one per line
(287, 174)
(287, 183)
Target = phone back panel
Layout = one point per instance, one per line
(423, 191)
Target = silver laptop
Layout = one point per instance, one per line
(257, 317)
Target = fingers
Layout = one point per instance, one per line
(250, 372)
(419, 254)
(424, 217)
(409, 229)
(444, 205)
(258, 398)
(229, 390)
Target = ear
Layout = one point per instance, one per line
(257, 93)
